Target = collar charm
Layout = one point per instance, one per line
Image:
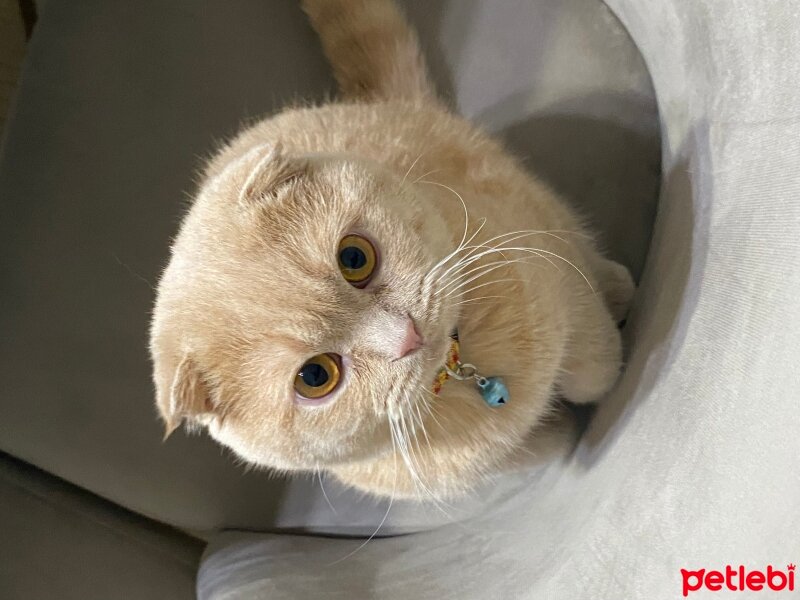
(493, 390)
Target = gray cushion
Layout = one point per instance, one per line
(60, 542)
(692, 461)
(117, 104)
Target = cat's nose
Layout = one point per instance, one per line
(410, 340)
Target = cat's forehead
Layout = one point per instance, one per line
(298, 205)
(290, 302)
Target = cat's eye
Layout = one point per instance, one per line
(318, 376)
(357, 259)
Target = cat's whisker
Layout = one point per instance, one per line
(461, 246)
(510, 238)
(447, 258)
(411, 437)
(539, 252)
(400, 444)
(409, 427)
(422, 425)
(388, 508)
(427, 281)
(476, 300)
(469, 258)
(526, 232)
(324, 493)
(407, 454)
(416, 416)
(458, 282)
(430, 408)
(461, 283)
(483, 270)
(403, 443)
(411, 168)
(466, 260)
(438, 503)
(493, 282)
(487, 268)
(441, 277)
(433, 409)
(463, 204)
(424, 175)
(462, 260)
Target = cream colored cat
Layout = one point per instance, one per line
(314, 285)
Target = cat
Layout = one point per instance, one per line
(333, 252)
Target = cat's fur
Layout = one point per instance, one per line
(253, 289)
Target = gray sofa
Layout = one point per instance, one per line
(690, 463)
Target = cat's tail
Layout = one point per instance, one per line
(374, 52)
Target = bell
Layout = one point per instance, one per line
(493, 390)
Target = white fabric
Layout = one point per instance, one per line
(692, 463)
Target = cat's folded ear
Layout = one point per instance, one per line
(263, 170)
(185, 397)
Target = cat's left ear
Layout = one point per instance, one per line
(264, 169)
(184, 397)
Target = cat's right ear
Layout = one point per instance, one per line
(185, 397)
(263, 170)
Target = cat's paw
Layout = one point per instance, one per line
(617, 287)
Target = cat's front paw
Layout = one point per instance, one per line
(617, 287)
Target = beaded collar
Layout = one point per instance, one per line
(493, 390)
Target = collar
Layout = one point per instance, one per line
(451, 364)
(493, 390)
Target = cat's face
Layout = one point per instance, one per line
(298, 309)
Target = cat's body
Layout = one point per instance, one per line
(252, 289)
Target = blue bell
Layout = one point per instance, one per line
(493, 390)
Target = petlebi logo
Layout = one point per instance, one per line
(739, 579)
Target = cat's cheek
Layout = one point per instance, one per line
(247, 451)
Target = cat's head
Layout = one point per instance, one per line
(298, 307)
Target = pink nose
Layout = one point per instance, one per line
(411, 342)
